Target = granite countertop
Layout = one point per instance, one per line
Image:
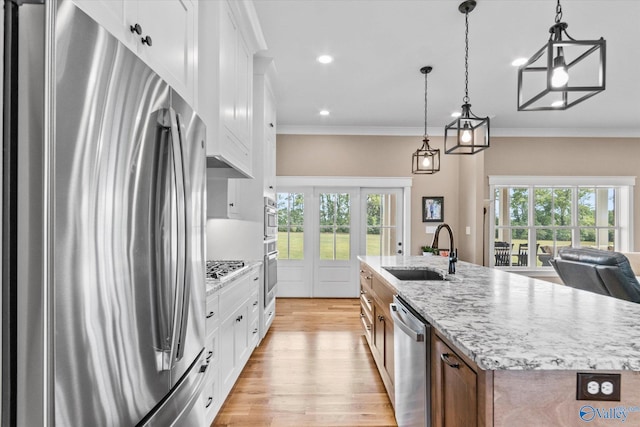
(214, 285)
(503, 320)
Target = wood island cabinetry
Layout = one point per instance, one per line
(454, 385)
(375, 297)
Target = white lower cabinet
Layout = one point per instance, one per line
(232, 343)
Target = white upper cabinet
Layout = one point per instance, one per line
(229, 35)
(172, 27)
(264, 127)
(162, 33)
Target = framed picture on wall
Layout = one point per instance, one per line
(432, 209)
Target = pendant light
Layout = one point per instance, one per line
(468, 134)
(573, 71)
(425, 160)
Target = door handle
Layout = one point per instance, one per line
(445, 358)
(397, 321)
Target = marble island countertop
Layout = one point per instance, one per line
(502, 320)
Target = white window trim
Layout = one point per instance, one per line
(624, 205)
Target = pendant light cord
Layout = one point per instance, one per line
(426, 136)
(558, 12)
(466, 58)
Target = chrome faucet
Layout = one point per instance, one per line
(453, 253)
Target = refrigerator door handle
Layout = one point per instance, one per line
(186, 242)
(180, 279)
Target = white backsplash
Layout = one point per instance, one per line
(234, 239)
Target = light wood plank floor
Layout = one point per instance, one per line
(312, 369)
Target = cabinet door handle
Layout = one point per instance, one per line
(209, 355)
(380, 318)
(255, 279)
(136, 28)
(147, 40)
(209, 402)
(445, 358)
(231, 204)
(255, 303)
(210, 315)
(239, 318)
(255, 331)
(369, 301)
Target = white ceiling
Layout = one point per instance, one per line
(374, 85)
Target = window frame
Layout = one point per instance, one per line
(622, 185)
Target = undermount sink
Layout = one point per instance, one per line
(422, 274)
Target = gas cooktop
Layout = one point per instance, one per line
(219, 269)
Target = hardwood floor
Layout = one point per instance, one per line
(313, 368)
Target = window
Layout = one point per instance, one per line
(291, 225)
(533, 217)
(382, 223)
(335, 224)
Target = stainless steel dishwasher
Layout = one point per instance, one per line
(412, 351)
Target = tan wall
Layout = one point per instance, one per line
(567, 156)
(463, 180)
(373, 156)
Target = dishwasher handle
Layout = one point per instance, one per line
(415, 336)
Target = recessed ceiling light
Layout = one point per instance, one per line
(324, 112)
(519, 61)
(558, 103)
(456, 114)
(325, 59)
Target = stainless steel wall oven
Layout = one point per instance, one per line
(270, 270)
(270, 219)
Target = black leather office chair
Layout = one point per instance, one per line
(594, 270)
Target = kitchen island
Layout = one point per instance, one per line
(525, 339)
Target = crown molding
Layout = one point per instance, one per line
(499, 132)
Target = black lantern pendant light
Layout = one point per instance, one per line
(468, 134)
(425, 160)
(573, 70)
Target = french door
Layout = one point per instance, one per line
(382, 219)
(322, 230)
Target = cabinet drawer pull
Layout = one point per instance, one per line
(255, 279)
(231, 204)
(445, 358)
(239, 318)
(147, 40)
(369, 301)
(380, 318)
(368, 327)
(210, 315)
(209, 402)
(255, 303)
(255, 331)
(136, 28)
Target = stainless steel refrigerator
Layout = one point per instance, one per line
(103, 179)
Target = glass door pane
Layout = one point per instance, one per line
(383, 222)
(335, 226)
